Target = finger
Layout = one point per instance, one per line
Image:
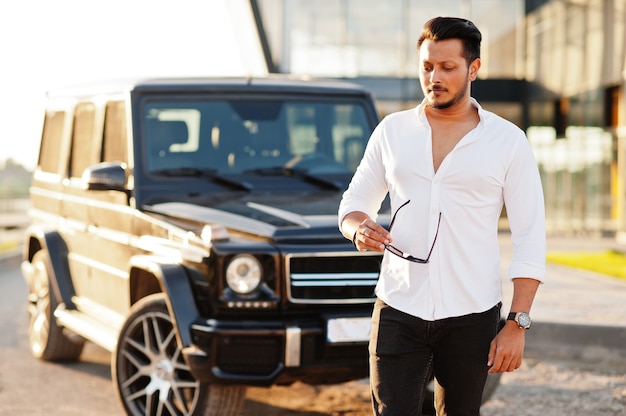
(509, 364)
(496, 363)
(381, 231)
(370, 238)
(361, 241)
(517, 363)
(504, 361)
(376, 232)
(492, 354)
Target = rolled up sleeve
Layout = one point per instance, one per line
(524, 200)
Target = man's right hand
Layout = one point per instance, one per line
(366, 233)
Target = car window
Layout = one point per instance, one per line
(115, 146)
(51, 141)
(243, 135)
(84, 152)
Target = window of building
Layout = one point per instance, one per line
(611, 107)
(561, 112)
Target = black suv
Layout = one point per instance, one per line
(189, 227)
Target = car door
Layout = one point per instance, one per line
(100, 220)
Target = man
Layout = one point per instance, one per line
(449, 167)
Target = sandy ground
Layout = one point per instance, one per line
(548, 387)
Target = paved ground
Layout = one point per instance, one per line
(574, 296)
(576, 313)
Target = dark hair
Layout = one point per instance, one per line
(442, 28)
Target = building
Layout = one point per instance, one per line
(556, 68)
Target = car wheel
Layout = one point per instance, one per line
(47, 340)
(151, 376)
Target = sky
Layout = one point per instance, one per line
(47, 44)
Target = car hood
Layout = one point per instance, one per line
(277, 217)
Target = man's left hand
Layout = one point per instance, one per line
(506, 349)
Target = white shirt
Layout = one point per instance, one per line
(491, 166)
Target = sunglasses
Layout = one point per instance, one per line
(402, 254)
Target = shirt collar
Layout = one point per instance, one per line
(421, 113)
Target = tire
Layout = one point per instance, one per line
(47, 340)
(150, 375)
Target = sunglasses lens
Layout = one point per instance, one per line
(395, 251)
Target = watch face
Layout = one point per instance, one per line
(523, 320)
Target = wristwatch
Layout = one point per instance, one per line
(522, 318)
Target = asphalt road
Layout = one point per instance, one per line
(35, 388)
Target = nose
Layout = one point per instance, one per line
(434, 76)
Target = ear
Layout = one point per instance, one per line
(473, 69)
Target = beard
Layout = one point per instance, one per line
(432, 103)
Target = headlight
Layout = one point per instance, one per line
(244, 274)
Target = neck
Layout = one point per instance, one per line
(459, 111)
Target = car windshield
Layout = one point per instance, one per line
(251, 136)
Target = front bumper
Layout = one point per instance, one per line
(264, 353)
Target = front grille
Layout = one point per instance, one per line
(330, 278)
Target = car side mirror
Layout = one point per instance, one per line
(105, 176)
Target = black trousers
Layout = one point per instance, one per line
(405, 351)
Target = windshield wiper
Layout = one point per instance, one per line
(299, 173)
(212, 174)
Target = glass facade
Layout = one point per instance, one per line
(361, 38)
(576, 176)
(576, 69)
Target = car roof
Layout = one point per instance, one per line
(272, 83)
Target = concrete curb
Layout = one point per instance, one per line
(575, 341)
